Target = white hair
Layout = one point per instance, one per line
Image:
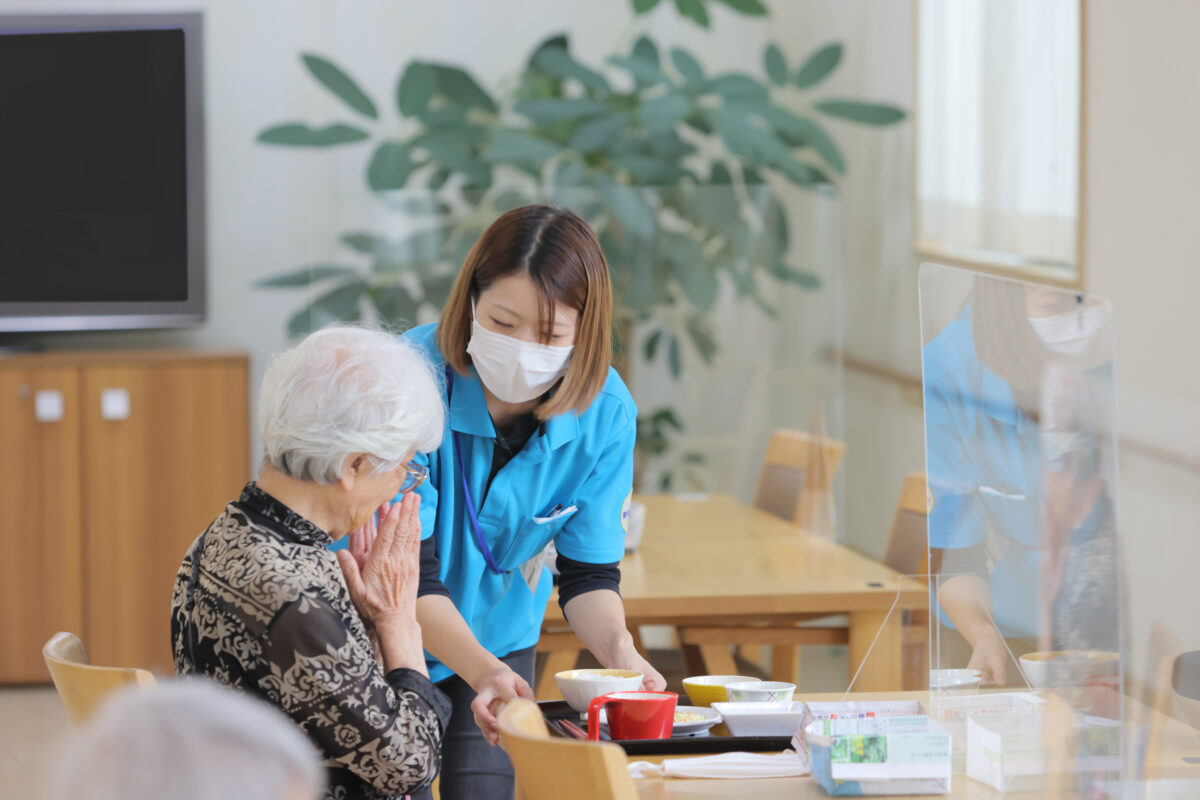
(188, 740)
(343, 391)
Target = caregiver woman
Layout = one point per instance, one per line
(539, 449)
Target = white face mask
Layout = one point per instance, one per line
(513, 370)
(1071, 333)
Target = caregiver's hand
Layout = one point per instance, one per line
(652, 680)
(494, 690)
(990, 657)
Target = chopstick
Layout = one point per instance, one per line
(573, 729)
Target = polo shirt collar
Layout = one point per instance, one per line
(469, 415)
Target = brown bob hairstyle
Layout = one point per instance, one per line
(561, 255)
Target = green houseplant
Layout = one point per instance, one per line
(674, 167)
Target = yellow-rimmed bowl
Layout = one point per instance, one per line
(704, 690)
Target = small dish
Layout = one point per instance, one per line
(761, 719)
(704, 690)
(761, 692)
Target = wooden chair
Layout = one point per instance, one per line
(548, 769)
(81, 686)
(797, 475)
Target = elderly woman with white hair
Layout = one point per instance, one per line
(261, 604)
(187, 741)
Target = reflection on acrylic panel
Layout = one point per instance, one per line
(1020, 460)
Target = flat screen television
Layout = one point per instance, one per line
(102, 222)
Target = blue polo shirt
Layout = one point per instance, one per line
(569, 485)
(983, 468)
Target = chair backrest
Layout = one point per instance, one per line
(797, 472)
(908, 543)
(81, 686)
(552, 768)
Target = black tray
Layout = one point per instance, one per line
(683, 745)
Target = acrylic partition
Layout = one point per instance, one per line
(1025, 567)
(726, 318)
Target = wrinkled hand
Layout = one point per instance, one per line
(364, 538)
(990, 657)
(385, 584)
(493, 693)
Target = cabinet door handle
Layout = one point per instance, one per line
(48, 405)
(114, 404)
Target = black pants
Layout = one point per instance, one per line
(472, 769)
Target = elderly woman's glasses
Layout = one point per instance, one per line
(414, 476)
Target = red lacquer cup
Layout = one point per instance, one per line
(634, 715)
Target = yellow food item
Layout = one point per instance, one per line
(688, 716)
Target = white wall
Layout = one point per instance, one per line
(1143, 174)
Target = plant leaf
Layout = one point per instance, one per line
(416, 88)
(446, 116)
(597, 132)
(570, 173)
(800, 172)
(776, 64)
(457, 157)
(694, 273)
(458, 85)
(803, 132)
(664, 112)
(395, 304)
(646, 50)
(438, 178)
(693, 10)
(366, 243)
(736, 86)
(647, 170)
(687, 65)
(390, 167)
(673, 357)
(669, 144)
(520, 148)
(702, 338)
(337, 305)
(862, 112)
(720, 174)
(559, 108)
(627, 205)
(297, 134)
(818, 66)
(644, 6)
(753, 8)
(341, 84)
(560, 63)
(558, 41)
(645, 73)
(651, 345)
(305, 276)
(802, 278)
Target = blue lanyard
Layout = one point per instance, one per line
(462, 474)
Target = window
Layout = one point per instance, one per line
(999, 136)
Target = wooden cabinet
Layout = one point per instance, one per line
(110, 465)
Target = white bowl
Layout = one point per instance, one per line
(760, 692)
(580, 686)
(761, 719)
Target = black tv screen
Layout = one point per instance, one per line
(99, 211)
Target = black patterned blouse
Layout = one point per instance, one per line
(268, 613)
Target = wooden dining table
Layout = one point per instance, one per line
(712, 560)
(1170, 766)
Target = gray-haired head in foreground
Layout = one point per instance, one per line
(189, 740)
(343, 391)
